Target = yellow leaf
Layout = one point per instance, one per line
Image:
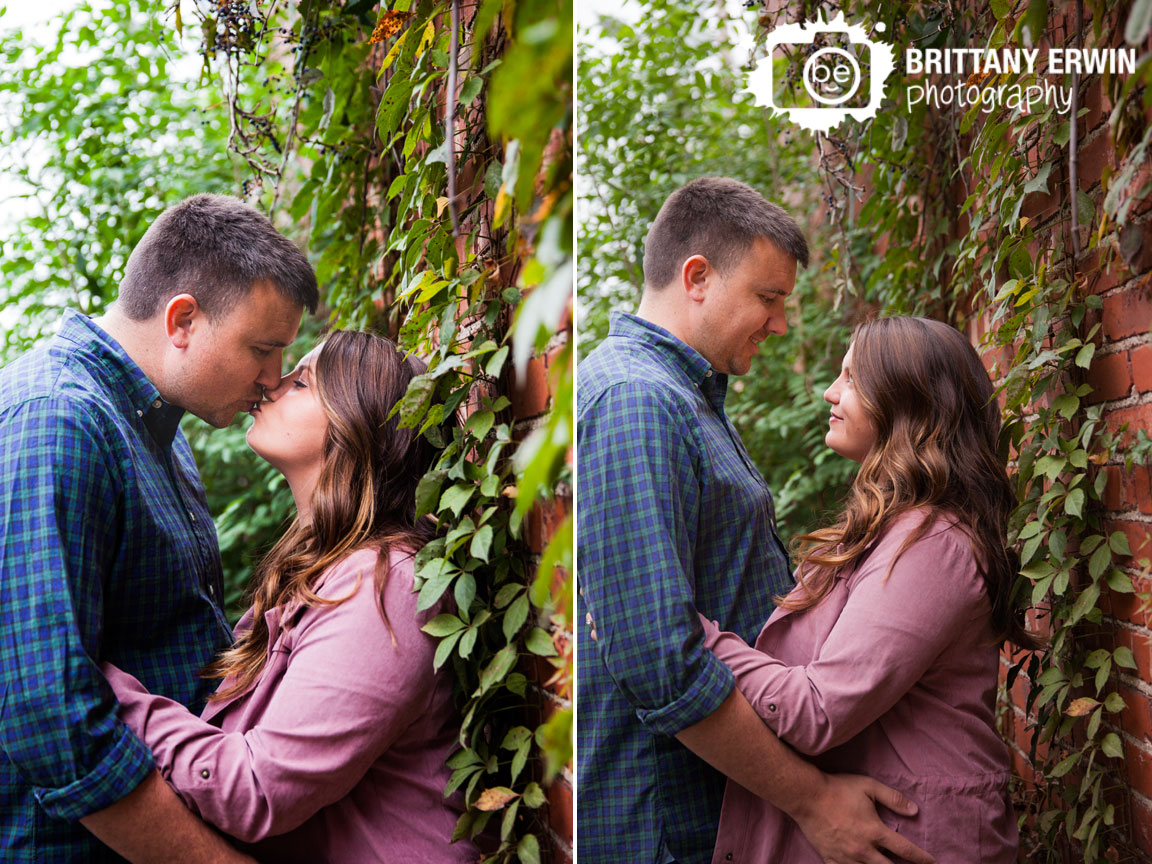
(441, 203)
(392, 54)
(1080, 707)
(389, 25)
(503, 202)
(1024, 220)
(429, 35)
(494, 798)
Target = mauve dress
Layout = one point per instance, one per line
(337, 753)
(893, 676)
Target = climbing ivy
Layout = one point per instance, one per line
(423, 152)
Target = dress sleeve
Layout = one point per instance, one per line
(639, 503)
(348, 693)
(58, 528)
(887, 636)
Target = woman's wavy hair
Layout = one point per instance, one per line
(365, 496)
(937, 426)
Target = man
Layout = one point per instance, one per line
(107, 548)
(673, 518)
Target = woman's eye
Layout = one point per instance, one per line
(299, 382)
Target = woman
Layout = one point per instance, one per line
(327, 738)
(883, 659)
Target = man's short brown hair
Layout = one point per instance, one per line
(215, 248)
(719, 218)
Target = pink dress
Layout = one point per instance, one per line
(337, 753)
(893, 677)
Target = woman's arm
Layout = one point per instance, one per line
(888, 634)
(348, 693)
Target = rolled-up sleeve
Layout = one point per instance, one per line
(639, 503)
(58, 530)
(887, 636)
(348, 693)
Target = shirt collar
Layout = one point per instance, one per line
(161, 418)
(713, 384)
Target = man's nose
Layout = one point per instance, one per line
(270, 375)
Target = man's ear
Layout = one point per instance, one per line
(694, 273)
(181, 316)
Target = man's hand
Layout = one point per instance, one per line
(152, 826)
(840, 821)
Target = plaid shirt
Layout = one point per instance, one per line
(673, 517)
(107, 552)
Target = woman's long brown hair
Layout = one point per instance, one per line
(937, 429)
(365, 496)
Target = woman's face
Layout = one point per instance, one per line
(290, 426)
(851, 432)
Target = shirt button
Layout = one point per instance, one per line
(772, 708)
(205, 773)
(156, 404)
(728, 857)
(139, 413)
(708, 374)
(192, 516)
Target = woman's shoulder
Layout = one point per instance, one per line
(931, 542)
(358, 568)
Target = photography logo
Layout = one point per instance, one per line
(818, 73)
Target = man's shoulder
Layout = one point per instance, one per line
(615, 374)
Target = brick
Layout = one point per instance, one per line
(1114, 492)
(1127, 313)
(560, 809)
(1139, 537)
(1141, 825)
(1138, 763)
(1135, 416)
(1136, 719)
(543, 519)
(1110, 376)
(1141, 360)
(530, 395)
(1093, 157)
(1129, 607)
(1099, 107)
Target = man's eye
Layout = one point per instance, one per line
(262, 352)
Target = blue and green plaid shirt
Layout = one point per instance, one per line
(107, 552)
(673, 517)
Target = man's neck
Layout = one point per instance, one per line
(656, 310)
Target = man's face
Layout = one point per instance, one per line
(741, 307)
(228, 362)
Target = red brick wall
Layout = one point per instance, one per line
(532, 395)
(1121, 373)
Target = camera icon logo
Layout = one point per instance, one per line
(842, 75)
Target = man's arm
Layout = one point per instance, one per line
(835, 812)
(152, 826)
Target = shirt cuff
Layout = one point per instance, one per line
(123, 767)
(702, 699)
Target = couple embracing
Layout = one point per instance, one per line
(730, 712)
(134, 724)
